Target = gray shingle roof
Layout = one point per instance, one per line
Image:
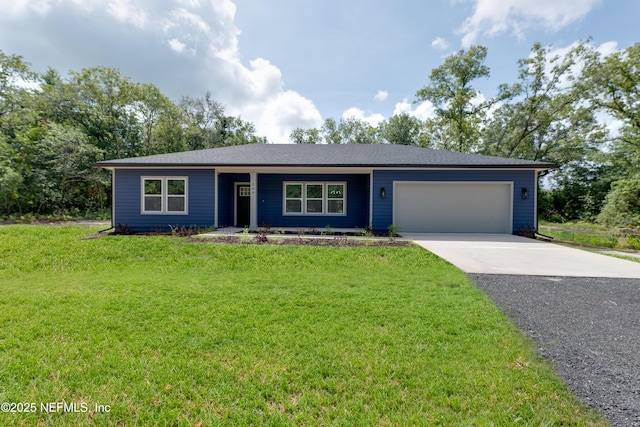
(308, 155)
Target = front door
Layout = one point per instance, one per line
(243, 205)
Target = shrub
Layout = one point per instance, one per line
(634, 242)
(622, 204)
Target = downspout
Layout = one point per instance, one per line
(535, 203)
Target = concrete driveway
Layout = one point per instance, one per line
(507, 254)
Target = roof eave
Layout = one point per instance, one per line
(110, 166)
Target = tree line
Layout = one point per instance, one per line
(579, 110)
(52, 129)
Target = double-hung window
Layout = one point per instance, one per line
(315, 198)
(164, 195)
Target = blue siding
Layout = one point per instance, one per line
(270, 200)
(128, 200)
(226, 197)
(523, 210)
(270, 197)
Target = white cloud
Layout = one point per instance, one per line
(381, 95)
(189, 3)
(423, 111)
(126, 12)
(493, 17)
(279, 115)
(177, 45)
(190, 20)
(439, 43)
(17, 8)
(356, 113)
(185, 47)
(608, 48)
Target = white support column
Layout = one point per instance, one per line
(253, 183)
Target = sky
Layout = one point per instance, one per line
(284, 64)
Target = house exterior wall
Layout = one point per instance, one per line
(270, 195)
(523, 209)
(128, 199)
(270, 201)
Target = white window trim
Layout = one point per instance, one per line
(325, 198)
(165, 195)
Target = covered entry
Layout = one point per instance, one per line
(453, 207)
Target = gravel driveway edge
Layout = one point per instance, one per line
(589, 329)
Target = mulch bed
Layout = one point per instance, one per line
(300, 241)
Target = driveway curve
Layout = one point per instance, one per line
(507, 254)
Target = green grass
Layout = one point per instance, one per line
(590, 234)
(168, 332)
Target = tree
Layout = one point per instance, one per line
(103, 108)
(151, 105)
(235, 131)
(305, 136)
(459, 108)
(578, 192)
(401, 129)
(201, 116)
(10, 180)
(356, 131)
(547, 119)
(613, 86)
(14, 75)
(68, 158)
(346, 131)
(207, 126)
(331, 132)
(622, 205)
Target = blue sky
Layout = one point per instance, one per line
(284, 64)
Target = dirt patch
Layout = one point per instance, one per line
(50, 222)
(300, 241)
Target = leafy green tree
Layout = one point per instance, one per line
(306, 136)
(622, 205)
(10, 180)
(202, 115)
(104, 109)
(346, 131)
(613, 86)
(331, 132)
(578, 192)
(235, 131)
(68, 157)
(151, 105)
(207, 125)
(356, 131)
(15, 74)
(459, 108)
(547, 119)
(401, 129)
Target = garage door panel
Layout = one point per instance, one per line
(453, 207)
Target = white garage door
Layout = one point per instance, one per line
(453, 207)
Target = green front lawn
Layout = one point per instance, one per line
(161, 331)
